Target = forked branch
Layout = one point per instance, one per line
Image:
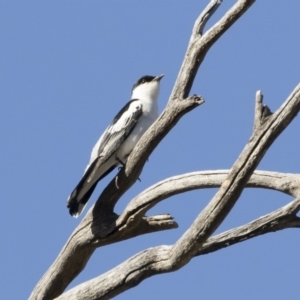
(195, 241)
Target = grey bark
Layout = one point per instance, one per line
(101, 226)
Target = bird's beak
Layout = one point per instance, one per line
(158, 78)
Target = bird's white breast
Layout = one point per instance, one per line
(143, 124)
(147, 95)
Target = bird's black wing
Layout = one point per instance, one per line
(122, 125)
(120, 128)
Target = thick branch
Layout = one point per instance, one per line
(218, 208)
(200, 45)
(285, 183)
(166, 259)
(152, 261)
(282, 218)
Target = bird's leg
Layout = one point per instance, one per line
(123, 165)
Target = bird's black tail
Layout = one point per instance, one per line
(84, 189)
(76, 204)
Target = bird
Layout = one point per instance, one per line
(118, 140)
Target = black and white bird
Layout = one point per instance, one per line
(118, 140)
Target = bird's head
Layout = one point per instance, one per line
(146, 87)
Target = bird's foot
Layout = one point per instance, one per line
(123, 165)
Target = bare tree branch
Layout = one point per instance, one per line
(283, 218)
(258, 110)
(205, 16)
(127, 274)
(200, 45)
(218, 208)
(285, 183)
(164, 259)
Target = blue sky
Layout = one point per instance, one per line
(68, 67)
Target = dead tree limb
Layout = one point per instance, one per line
(194, 241)
(140, 205)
